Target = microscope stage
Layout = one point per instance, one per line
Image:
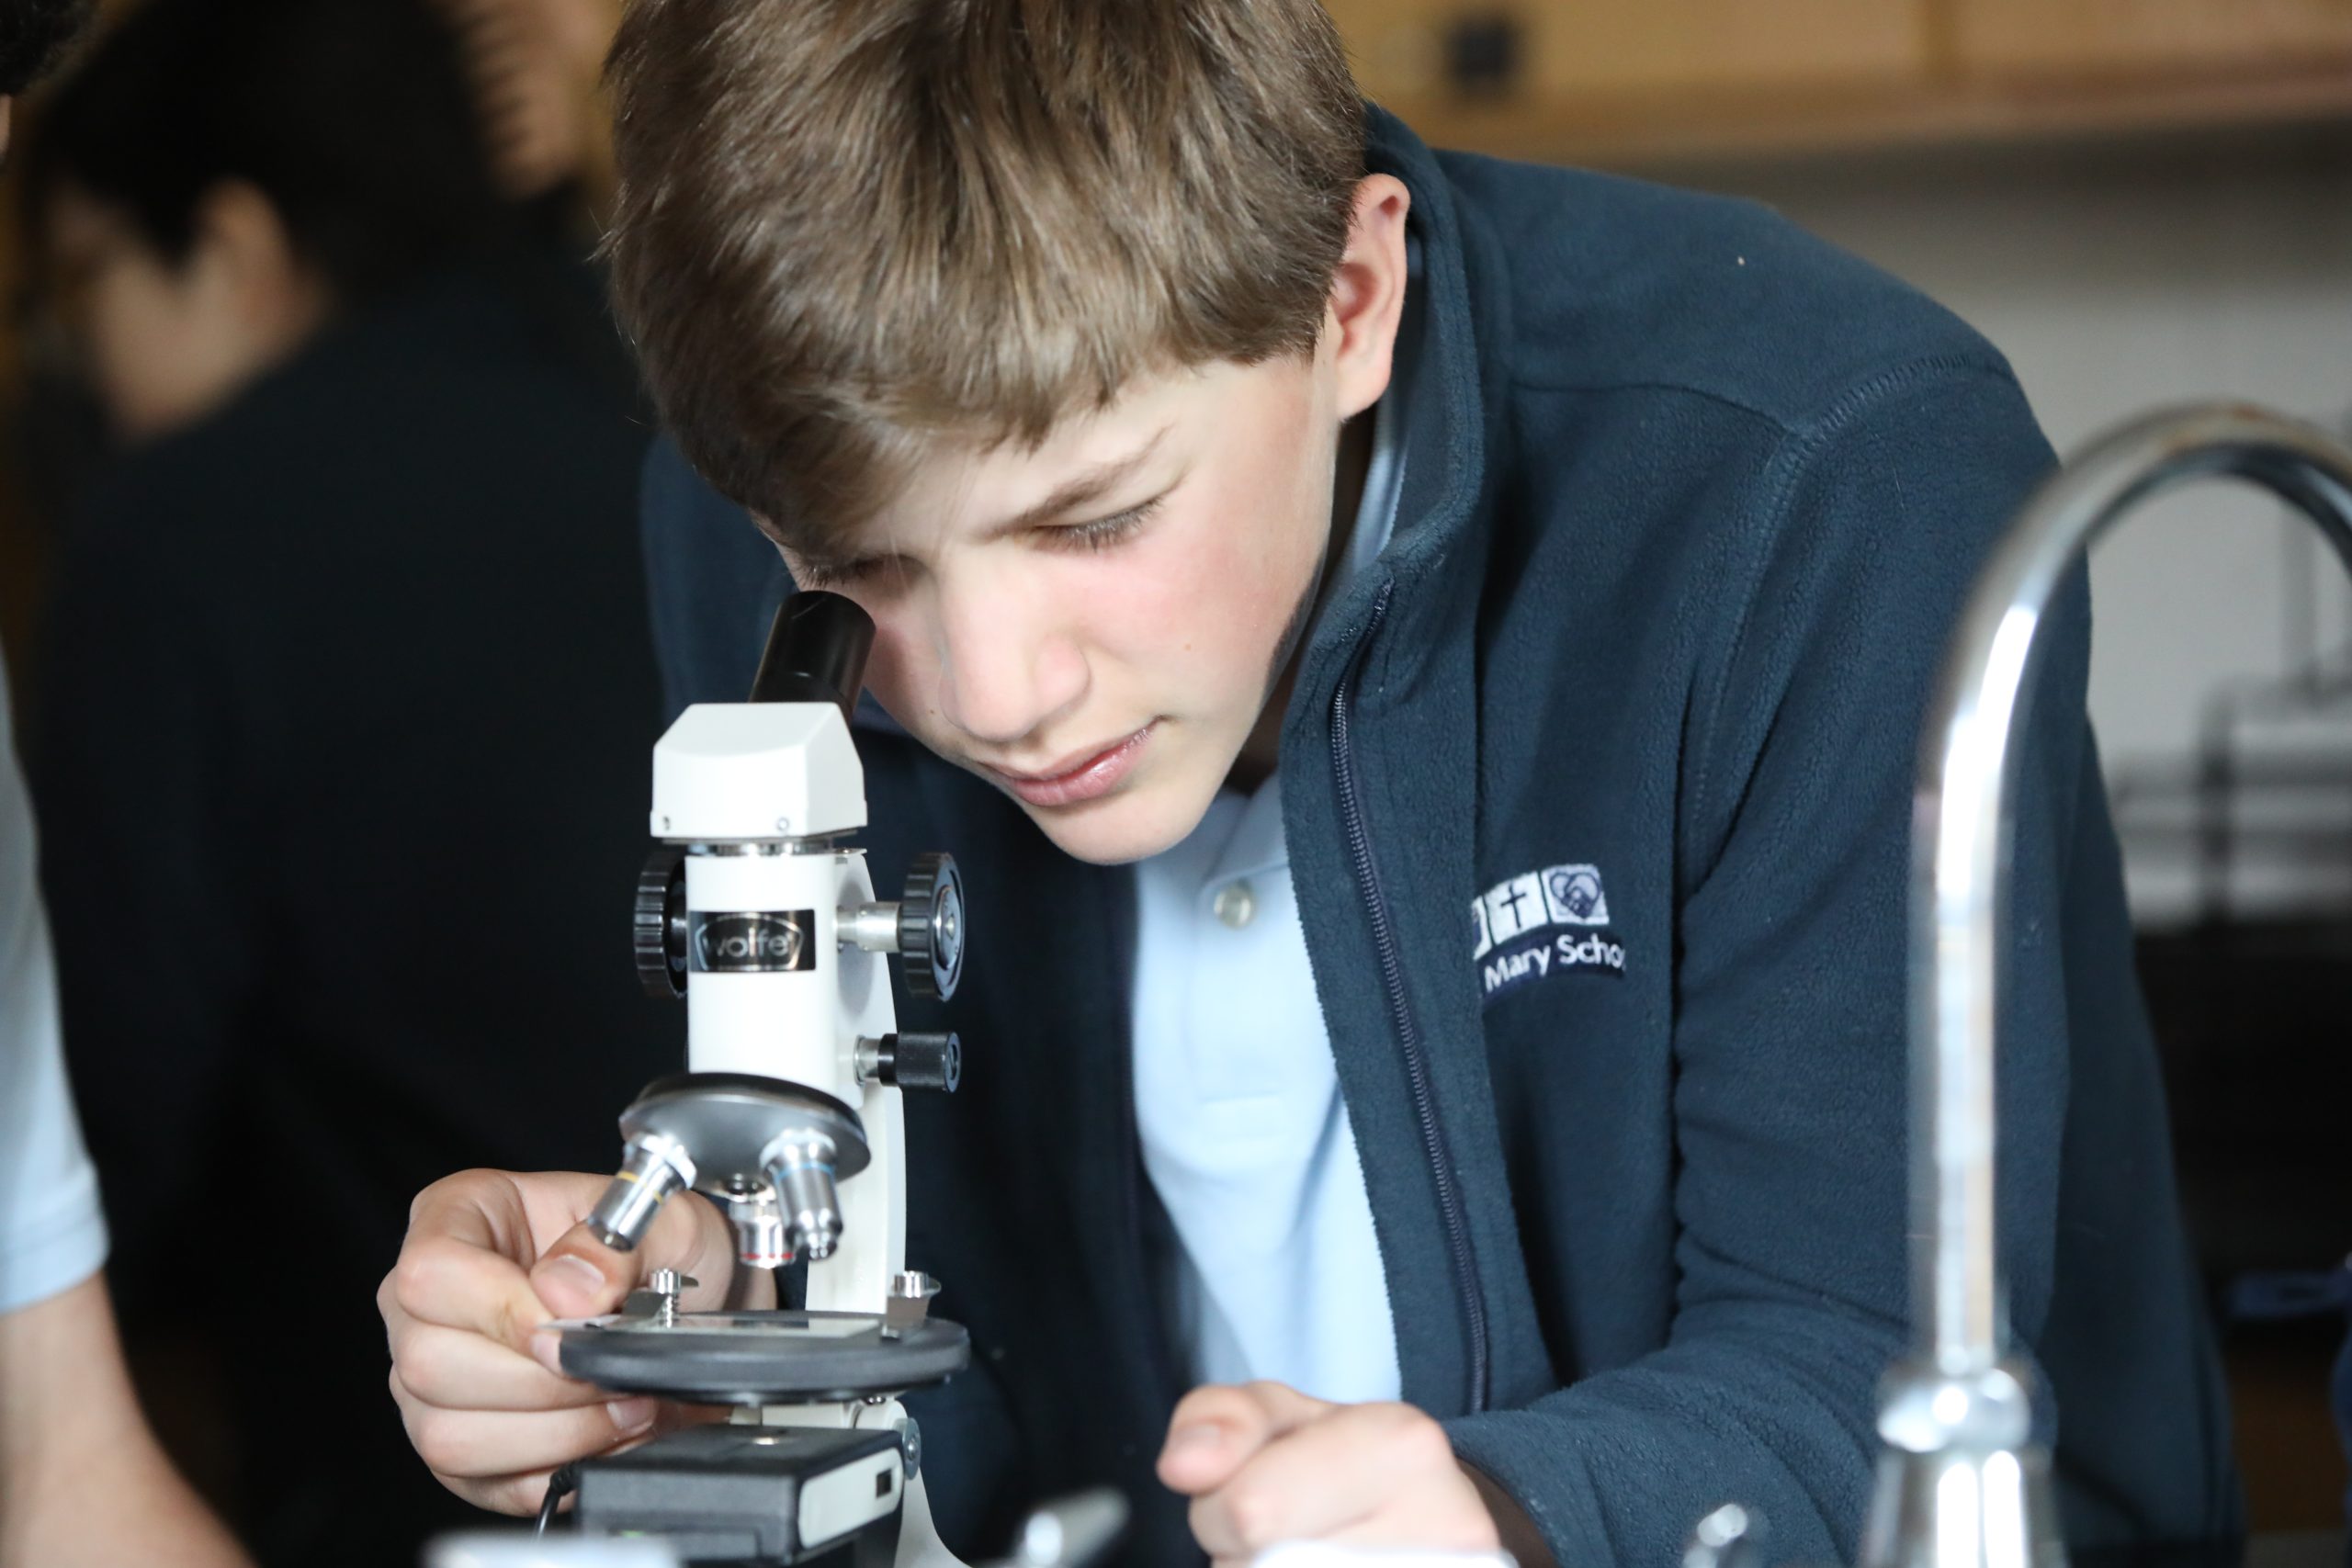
(761, 1358)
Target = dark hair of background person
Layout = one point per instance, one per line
(354, 117)
(33, 34)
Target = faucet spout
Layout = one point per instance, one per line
(1961, 1483)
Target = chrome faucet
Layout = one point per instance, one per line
(1961, 1483)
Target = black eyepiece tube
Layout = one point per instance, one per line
(816, 652)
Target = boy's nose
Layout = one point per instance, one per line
(1001, 680)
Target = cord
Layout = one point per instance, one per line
(560, 1484)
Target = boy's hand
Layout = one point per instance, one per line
(1264, 1464)
(489, 1257)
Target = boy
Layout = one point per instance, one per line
(1283, 539)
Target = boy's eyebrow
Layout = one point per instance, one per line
(1087, 487)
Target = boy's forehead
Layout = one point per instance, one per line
(1091, 463)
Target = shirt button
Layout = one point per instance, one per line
(1236, 904)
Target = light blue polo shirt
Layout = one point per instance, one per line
(52, 1233)
(1244, 1135)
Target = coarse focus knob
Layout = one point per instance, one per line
(915, 1061)
(930, 927)
(660, 930)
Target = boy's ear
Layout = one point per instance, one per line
(1368, 293)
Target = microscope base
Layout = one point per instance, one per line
(745, 1497)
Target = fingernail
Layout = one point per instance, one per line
(629, 1415)
(1195, 1439)
(546, 1348)
(570, 1284)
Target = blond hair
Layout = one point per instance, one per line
(845, 225)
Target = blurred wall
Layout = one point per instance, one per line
(2115, 279)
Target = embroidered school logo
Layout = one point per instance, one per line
(1573, 894)
(1518, 926)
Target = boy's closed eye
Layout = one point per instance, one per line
(1098, 534)
(809, 572)
(1103, 532)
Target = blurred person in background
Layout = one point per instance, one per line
(346, 703)
(81, 1482)
(537, 69)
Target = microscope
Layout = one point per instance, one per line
(790, 1118)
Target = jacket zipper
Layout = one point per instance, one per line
(1417, 1072)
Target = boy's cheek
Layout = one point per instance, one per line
(886, 676)
(1185, 630)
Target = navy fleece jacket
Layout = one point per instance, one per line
(1598, 793)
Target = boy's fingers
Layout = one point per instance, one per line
(488, 1208)
(1363, 1471)
(1263, 1408)
(507, 1493)
(452, 1282)
(465, 1310)
(457, 1368)
(1216, 1430)
(489, 1445)
(581, 1277)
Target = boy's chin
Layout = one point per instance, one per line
(1120, 828)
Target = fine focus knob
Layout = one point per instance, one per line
(660, 930)
(920, 1061)
(930, 927)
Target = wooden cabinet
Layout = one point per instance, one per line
(1706, 44)
(1640, 83)
(1412, 48)
(2108, 36)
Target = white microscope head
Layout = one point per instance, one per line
(743, 772)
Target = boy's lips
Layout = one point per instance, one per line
(1085, 776)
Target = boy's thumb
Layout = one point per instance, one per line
(581, 1277)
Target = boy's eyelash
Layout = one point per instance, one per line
(1108, 531)
(1098, 535)
(814, 575)
(825, 575)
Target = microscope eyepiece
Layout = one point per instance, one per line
(816, 652)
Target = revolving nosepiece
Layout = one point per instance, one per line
(652, 1166)
(800, 1168)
